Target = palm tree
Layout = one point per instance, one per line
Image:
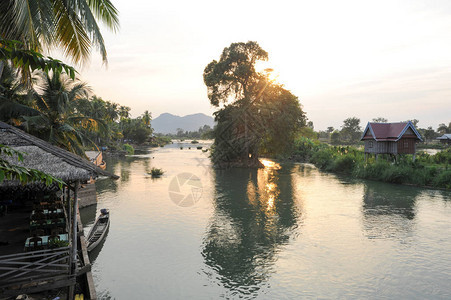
(58, 122)
(68, 24)
(15, 100)
(147, 117)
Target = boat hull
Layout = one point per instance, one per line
(98, 231)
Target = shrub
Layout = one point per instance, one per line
(129, 148)
(443, 180)
(155, 172)
(344, 164)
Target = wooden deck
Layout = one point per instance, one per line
(35, 271)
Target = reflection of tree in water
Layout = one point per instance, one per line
(255, 214)
(388, 210)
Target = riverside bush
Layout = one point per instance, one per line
(129, 148)
(443, 179)
(427, 170)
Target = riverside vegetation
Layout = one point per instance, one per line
(427, 170)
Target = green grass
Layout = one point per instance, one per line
(427, 170)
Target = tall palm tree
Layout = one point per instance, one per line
(58, 122)
(67, 24)
(147, 117)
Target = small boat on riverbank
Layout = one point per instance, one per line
(97, 232)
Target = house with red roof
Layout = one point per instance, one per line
(390, 138)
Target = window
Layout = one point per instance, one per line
(370, 144)
(406, 144)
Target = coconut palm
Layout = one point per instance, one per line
(15, 100)
(67, 24)
(58, 122)
(147, 117)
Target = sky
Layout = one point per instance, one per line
(343, 59)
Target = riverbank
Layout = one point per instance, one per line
(430, 171)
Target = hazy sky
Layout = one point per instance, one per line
(341, 58)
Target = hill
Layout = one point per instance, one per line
(168, 123)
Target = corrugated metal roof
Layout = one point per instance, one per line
(388, 131)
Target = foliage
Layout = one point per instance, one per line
(56, 120)
(263, 118)
(443, 129)
(14, 51)
(155, 172)
(335, 138)
(10, 171)
(56, 243)
(427, 170)
(351, 131)
(69, 25)
(160, 141)
(204, 132)
(129, 148)
(380, 120)
(135, 130)
(234, 75)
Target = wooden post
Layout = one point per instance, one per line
(71, 289)
(74, 227)
(73, 255)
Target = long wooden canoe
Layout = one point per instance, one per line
(97, 232)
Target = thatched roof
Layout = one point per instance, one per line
(47, 158)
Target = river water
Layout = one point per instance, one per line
(283, 232)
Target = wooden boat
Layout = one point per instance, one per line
(102, 165)
(97, 232)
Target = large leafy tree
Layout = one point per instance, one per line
(257, 115)
(443, 129)
(234, 77)
(350, 130)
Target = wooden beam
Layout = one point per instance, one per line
(39, 288)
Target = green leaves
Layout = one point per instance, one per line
(69, 25)
(234, 74)
(32, 60)
(10, 171)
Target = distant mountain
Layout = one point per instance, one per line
(168, 123)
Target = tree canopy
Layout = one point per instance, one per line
(258, 115)
(234, 75)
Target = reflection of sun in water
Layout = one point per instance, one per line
(269, 164)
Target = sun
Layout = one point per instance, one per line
(264, 67)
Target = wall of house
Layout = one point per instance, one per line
(87, 195)
(406, 146)
(371, 146)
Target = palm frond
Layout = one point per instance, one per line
(105, 11)
(71, 33)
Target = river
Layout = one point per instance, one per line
(286, 231)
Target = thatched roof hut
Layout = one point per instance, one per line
(47, 158)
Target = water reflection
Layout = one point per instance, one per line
(388, 210)
(254, 216)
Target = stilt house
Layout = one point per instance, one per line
(390, 138)
(445, 139)
(33, 267)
